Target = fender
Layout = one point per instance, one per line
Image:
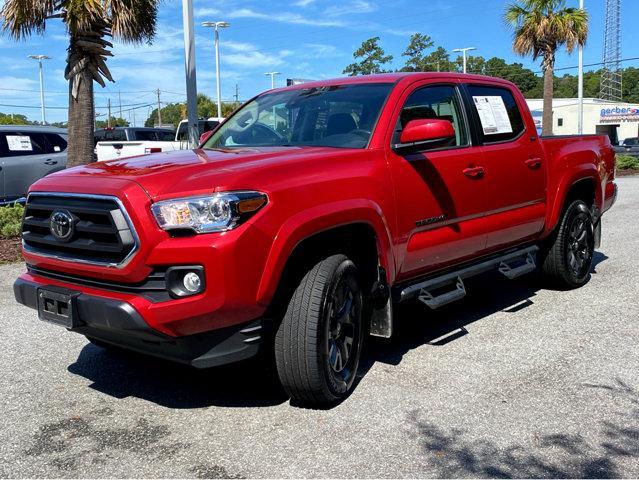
(578, 173)
(316, 220)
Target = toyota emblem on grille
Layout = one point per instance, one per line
(61, 225)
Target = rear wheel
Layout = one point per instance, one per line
(319, 341)
(568, 259)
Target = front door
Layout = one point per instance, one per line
(440, 192)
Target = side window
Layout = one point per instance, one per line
(436, 102)
(98, 137)
(165, 135)
(20, 144)
(119, 135)
(56, 143)
(499, 117)
(145, 135)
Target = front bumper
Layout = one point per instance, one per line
(117, 322)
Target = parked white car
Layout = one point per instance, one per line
(114, 150)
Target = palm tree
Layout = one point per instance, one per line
(540, 28)
(89, 23)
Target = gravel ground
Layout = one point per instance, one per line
(515, 380)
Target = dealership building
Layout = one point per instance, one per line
(615, 119)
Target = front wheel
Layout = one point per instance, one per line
(568, 259)
(319, 341)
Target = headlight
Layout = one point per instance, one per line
(215, 213)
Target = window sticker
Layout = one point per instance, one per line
(493, 115)
(19, 143)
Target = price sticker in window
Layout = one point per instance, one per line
(493, 115)
(19, 143)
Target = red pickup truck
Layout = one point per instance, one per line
(306, 216)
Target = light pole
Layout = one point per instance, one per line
(580, 85)
(189, 72)
(272, 74)
(39, 58)
(217, 26)
(464, 51)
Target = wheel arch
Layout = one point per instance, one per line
(336, 228)
(582, 185)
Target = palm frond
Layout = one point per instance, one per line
(133, 21)
(22, 18)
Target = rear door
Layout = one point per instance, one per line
(439, 202)
(515, 166)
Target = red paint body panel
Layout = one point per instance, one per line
(426, 212)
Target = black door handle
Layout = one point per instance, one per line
(50, 162)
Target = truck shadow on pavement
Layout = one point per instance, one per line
(253, 383)
(609, 449)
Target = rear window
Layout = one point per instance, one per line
(115, 135)
(55, 143)
(166, 135)
(497, 113)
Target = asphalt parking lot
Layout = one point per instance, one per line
(515, 380)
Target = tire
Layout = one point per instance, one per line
(567, 261)
(319, 340)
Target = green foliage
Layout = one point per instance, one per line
(372, 58)
(626, 162)
(174, 113)
(11, 221)
(13, 119)
(115, 122)
(415, 52)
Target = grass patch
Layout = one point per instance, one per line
(11, 221)
(626, 162)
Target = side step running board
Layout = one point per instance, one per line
(449, 287)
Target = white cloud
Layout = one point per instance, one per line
(285, 17)
(206, 12)
(303, 3)
(354, 8)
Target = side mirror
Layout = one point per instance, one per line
(424, 134)
(205, 136)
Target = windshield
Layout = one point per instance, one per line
(202, 126)
(335, 116)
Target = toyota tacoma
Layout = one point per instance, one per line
(306, 216)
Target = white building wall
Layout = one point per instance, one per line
(596, 112)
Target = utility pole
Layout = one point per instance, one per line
(120, 102)
(217, 26)
(237, 93)
(189, 69)
(109, 117)
(159, 109)
(580, 85)
(39, 58)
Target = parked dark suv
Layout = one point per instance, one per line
(630, 146)
(28, 153)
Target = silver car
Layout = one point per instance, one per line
(28, 153)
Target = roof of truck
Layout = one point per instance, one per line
(393, 78)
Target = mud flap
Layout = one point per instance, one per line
(382, 320)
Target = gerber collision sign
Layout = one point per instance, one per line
(619, 114)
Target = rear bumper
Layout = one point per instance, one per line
(117, 322)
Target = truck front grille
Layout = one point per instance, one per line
(99, 232)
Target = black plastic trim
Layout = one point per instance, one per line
(118, 323)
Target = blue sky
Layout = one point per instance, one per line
(300, 38)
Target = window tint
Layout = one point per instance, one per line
(489, 103)
(118, 135)
(631, 142)
(19, 144)
(438, 102)
(98, 137)
(145, 135)
(165, 135)
(55, 143)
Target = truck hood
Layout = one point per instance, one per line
(194, 172)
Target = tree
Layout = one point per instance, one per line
(174, 113)
(115, 122)
(88, 23)
(540, 28)
(415, 52)
(473, 64)
(373, 57)
(13, 119)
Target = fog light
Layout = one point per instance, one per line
(192, 282)
(185, 281)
